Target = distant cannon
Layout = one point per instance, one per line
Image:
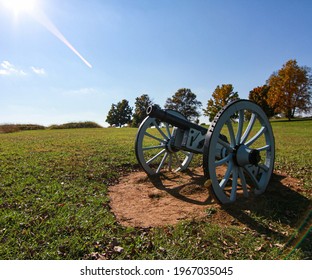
(237, 150)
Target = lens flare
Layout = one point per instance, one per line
(48, 24)
(31, 7)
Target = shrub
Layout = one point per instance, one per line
(9, 128)
(75, 125)
(30, 126)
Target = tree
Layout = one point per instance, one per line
(119, 114)
(185, 102)
(220, 97)
(290, 89)
(141, 104)
(112, 115)
(259, 95)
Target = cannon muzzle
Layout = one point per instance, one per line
(172, 119)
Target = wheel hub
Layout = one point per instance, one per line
(243, 156)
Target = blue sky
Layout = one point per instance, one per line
(140, 47)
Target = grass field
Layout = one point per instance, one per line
(54, 202)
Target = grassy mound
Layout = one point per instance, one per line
(87, 124)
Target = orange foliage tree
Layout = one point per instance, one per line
(290, 89)
(259, 95)
(220, 97)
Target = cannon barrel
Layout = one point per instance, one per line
(165, 116)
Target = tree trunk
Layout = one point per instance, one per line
(288, 114)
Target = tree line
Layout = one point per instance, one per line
(287, 91)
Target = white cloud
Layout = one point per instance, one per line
(38, 71)
(8, 69)
(81, 92)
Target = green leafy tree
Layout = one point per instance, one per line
(119, 114)
(259, 95)
(220, 97)
(290, 89)
(185, 102)
(112, 115)
(141, 104)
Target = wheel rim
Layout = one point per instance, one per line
(154, 150)
(241, 162)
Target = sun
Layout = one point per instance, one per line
(32, 7)
(19, 6)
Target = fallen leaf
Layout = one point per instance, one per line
(118, 249)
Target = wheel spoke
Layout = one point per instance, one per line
(263, 167)
(234, 183)
(160, 131)
(240, 127)
(254, 180)
(185, 153)
(226, 176)
(264, 148)
(156, 156)
(162, 162)
(243, 181)
(154, 147)
(231, 132)
(225, 145)
(249, 128)
(256, 137)
(224, 160)
(154, 137)
(178, 161)
(168, 130)
(170, 162)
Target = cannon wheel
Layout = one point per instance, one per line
(239, 151)
(154, 150)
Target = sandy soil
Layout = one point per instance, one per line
(142, 201)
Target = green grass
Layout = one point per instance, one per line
(54, 202)
(294, 148)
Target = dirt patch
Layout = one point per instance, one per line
(142, 201)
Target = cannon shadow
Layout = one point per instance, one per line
(280, 209)
(182, 189)
(282, 204)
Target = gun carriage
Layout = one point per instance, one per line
(237, 149)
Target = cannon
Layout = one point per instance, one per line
(237, 149)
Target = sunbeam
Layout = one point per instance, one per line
(31, 7)
(42, 18)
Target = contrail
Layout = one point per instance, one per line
(42, 18)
